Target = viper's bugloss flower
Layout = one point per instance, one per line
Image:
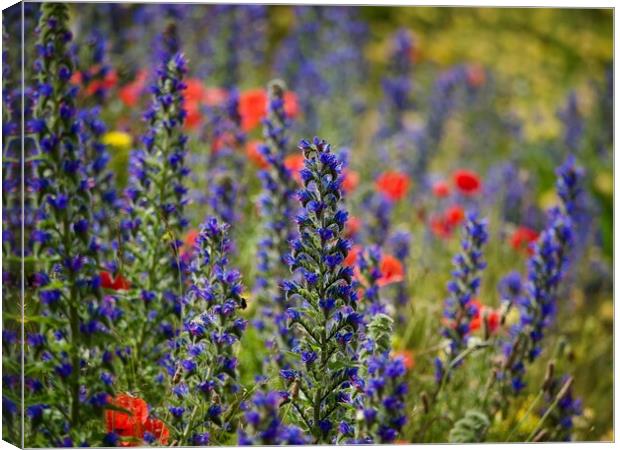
(322, 300)
(573, 123)
(263, 423)
(397, 85)
(459, 309)
(67, 250)
(154, 223)
(202, 357)
(569, 185)
(393, 185)
(565, 410)
(278, 205)
(384, 414)
(546, 267)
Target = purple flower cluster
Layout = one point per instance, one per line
(70, 348)
(322, 302)
(153, 224)
(277, 205)
(459, 309)
(202, 359)
(263, 424)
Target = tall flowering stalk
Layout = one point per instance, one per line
(459, 307)
(397, 85)
(380, 412)
(277, 204)
(322, 303)
(66, 392)
(546, 269)
(156, 198)
(202, 366)
(226, 166)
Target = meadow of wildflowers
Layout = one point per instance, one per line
(296, 225)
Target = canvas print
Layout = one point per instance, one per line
(246, 224)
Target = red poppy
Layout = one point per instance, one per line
(158, 429)
(194, 91)
(294, 163)
(407, 356)
(130, 93)
(490, 315)
(252, 108)
(224, 140)
(189, 241)
(523, 238)
(214, 96)
(350, 181)
(454, 215)
(129, 424)
(467, 181)
(393, 184)
(351, 258)
(440, 227)
(118, 283)
(441, 189)
(109, 81)
(254, 155)
(391, 271)
(194, 115)
(291, 105)
(352, 226)
(476, 75)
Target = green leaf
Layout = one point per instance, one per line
(471, 428)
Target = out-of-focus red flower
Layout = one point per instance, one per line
(467, 181)
(351, 258)
(391, 271)
(352, 226)
(214, 96)
(492, 317)
(476, 76)
(254, 155)
(129, 424)
(454, 215)
(109, 81)
(130, 93)
(523, 238)
(408, 358)
(224, 140)
(443, 225)
(440, 226)
(158, 429)
(350, 181)
(252, 108)
(441, 189)
(291, 105)
(294, 163)
(195, 90)
(194, 115)
(118, 283)
(393, 184)
(189, 241)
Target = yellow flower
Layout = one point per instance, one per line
(548, 199)
(118, 139)
(604, 183)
